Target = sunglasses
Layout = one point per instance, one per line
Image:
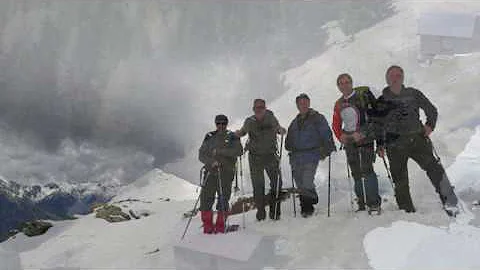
(221, 123)
(259, 108)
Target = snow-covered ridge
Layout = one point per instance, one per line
(158, 184)
(159, 198)
(37, 193)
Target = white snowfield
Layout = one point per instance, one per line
(408, 245)
(427, 239)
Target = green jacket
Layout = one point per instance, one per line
(262, 135)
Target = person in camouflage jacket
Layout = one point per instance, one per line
(218, 152)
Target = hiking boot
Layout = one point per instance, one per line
(220, 223)
(306, 204)
(361, 207)
(408, 209)
(307, 212)
(207, 220)
(261, 214)
(375, 209)
(451, 210)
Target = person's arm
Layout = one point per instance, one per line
(430, 111)
(205, 154)
(289, 139)
(337, 122)
(238, 148)
(325, 134)
(243, 130)
(276, 126)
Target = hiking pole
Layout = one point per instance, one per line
(447, 186)
(205, 174)
(388, 172)
(329, 177)
(435, 153)
(279, 180)
(243, 191)
(363, 179)
(294, 192)
(349, 179)
(223, 203)
(236, 189)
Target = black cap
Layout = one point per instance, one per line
(221, 118)
(302, 95)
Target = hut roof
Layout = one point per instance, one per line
(460, 25)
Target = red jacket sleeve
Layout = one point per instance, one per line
(337, 121)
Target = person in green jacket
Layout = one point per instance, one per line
(262, 129)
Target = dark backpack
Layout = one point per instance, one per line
(362, 92)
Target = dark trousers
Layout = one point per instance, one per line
(360, 160)
(258, 164)
(211, 186)
(420, 150)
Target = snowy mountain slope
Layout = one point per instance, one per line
(343, 241)
(465, 171)
(37, 193)
(157, 183)
(58, 184)
(319, 242)
(450, 83)
(21, 203)
(93, 242)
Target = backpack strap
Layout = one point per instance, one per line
(209, 135)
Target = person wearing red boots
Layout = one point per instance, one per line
(219, 152)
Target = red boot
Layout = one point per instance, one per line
(220, 223)
(207, 219)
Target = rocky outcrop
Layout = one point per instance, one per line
(34, 228)
(111, 213)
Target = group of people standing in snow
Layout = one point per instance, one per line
(364, 125)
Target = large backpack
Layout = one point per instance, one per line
(362, 92)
